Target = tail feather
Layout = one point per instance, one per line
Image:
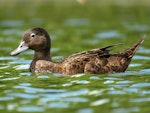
(132, 50)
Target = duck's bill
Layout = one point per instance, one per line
(22, 47)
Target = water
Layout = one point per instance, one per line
(74, 28)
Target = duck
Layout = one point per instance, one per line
(95, 61)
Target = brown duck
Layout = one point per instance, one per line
(95, 61)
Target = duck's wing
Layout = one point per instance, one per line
(100, 52)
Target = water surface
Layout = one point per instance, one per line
(73, 28)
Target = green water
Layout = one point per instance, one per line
(73, 28)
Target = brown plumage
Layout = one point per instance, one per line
(95, 61)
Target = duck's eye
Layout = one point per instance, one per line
(32, 35)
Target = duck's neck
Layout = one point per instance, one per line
(39, 55)
(42, 55)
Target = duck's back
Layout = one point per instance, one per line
(98, 61)
(81, 62)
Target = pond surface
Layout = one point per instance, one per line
(73, 28)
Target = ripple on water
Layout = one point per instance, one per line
(23, 95)
(94, 78)
(78, 75)
(136, 27)
(9, 79)
(8, 58)
(75, 99)
(85, 110)
(138, 57)
(6, 98)
(128, 73)
(76, 82)
(135, 65)
(66, 97)
(127, 110)
(26, 73)
(143, 50)
(139, 100)
(109, 34)
(12, 32)
(22, 67)
(140, 85)
(43, 76)
(11, 23)
(30, 109)
(20, 61)
(58, 105)
(97, 92)
(100, 102)
(4, 67)
(28, 89)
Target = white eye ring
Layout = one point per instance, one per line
(32, 35)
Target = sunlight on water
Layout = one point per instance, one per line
(100, 102)
(25, 73)
(9, 79)
(43, 76)
(135, 65)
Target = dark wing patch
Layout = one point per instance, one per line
(103, 52)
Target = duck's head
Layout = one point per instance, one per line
(36, 39)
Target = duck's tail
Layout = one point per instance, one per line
(129, 52)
